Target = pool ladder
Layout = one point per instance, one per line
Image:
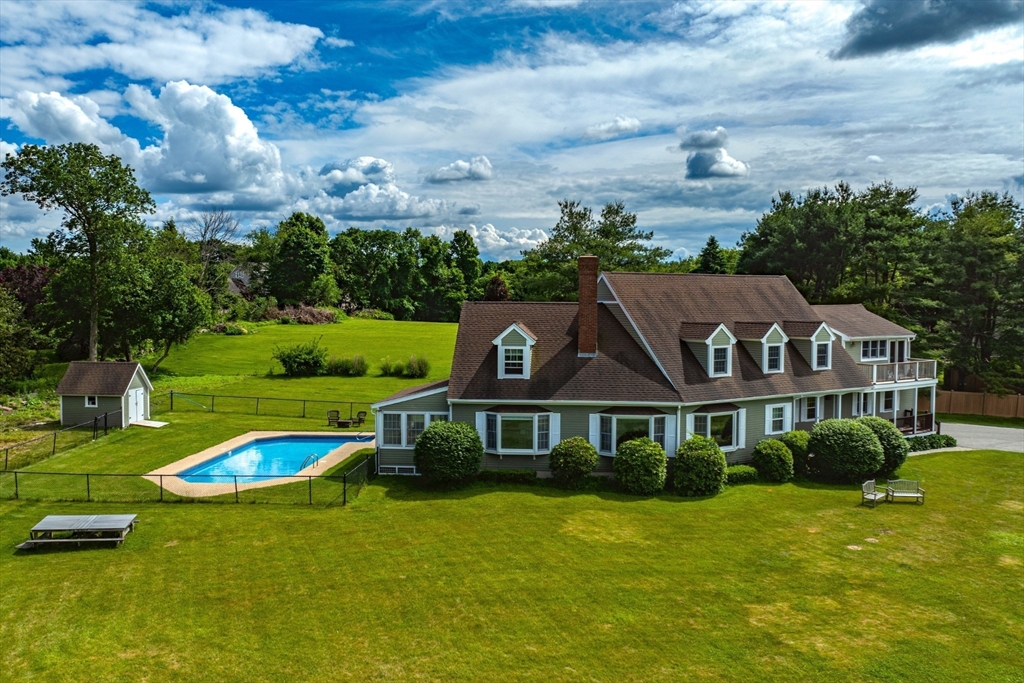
(316, 461)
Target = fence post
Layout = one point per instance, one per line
(350, 410)
(303, 409)
(172, 402)
(95, 426)
(88, 489)
(236, 488)
(104, 424)
(310, 489)
(15, 483)
(53, 451)
(344, 489)
(213, 400)
(257, 405)
(161, 488)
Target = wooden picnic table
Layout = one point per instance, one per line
(80, 529)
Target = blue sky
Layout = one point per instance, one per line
(481, 116)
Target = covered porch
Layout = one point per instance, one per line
(910, 409)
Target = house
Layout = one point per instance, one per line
(91, 389)
(737, 358)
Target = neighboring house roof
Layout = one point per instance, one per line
(853, 321)
(659, 303)
(103, 378)
(237, 286)
(412, 391)
(621, 371)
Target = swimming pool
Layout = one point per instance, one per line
(262, 459)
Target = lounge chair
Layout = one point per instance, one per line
(360, 418)
(333, 416)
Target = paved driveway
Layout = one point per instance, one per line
(989, 438)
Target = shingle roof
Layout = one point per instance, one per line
(420, 388)
(854, 320)
(621, 371)
(104, 378)
(801, 329)
(691, 331)
(525, 329)
(750, 331)
(660, 302)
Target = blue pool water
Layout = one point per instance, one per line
(263, 459)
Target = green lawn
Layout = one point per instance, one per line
(986, 420)
(790, 582)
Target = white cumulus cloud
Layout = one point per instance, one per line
(337, 42)
(496, 243)
(610, 129)
(477, 168)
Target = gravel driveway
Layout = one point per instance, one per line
(988, 438)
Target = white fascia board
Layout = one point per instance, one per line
(601, 278)
(520, 401)
(721, 326)
(647, 347)
(775, 326)
(530, 341)
(409, 397)
(881, 337)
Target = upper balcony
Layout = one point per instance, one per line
(910, 370)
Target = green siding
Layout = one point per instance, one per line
(774, 337)
(396, 456)
(822, 335)
(754, 349)
(803, 346)
(700, 350)
(74, 410)
(604, 293)
(721, 339)
(435, 403)
(513, 338)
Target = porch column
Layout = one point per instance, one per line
(895, 406)
(915, 412)
(931, 407)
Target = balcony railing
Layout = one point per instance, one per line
(907, 371)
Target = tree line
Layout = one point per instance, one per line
(105, 285)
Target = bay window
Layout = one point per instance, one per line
(608, 432)
(726, 427)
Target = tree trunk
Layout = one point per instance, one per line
(167, 350)
(94, 304)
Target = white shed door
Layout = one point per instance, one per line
(135, 406)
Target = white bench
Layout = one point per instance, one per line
(869, 494)
(904, 489)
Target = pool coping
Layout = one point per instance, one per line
(166, 476)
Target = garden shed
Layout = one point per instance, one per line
(90, 389)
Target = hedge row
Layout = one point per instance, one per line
(310, 360)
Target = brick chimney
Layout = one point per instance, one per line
(588, 306)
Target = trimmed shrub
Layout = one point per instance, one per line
(448, 453)
(930, 442)
(302, 360)
(390, 368)
(699, 468)
(572, 462)
(796, 441)
(507, 476)
(347, 367)
(630, 436)
(773, 460)
(894, 446)
(740, 474)
(640, 467)
(418, 367)
(844, 451)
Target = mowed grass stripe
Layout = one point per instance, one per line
(528, 583)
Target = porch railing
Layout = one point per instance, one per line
(907, 371)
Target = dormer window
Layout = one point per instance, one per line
(720, 361)
(513, 362)
(774, 358)
(515, 345)
(822, 355)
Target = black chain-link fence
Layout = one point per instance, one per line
(347, 413)
(337, 488)
(24, 453)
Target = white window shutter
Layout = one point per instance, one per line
(767, 420)
(670, 435)
(554, 429)
(481, 427)
(595, 431)
(741, 439)
(689, 427)
(787, 418)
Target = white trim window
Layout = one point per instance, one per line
(92, 401)
(822, 355)
(810, 408)
(400, 430)
(888, 401)
(726, 428)
(720, 360)
(609, 431)
(514, 363)
(863, 404)
(514, 358)
(777, 418)
(773, 358)
(519, 433)
(874, 349)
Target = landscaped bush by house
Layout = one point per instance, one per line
(699, 467)
(640, 467)
(448, 453)
(740, 474)
(773, 460)
(347, 367)
(630, 436)
(302, 360)
(508, 476)
(796, 441)
(844, 451)
(390, 368)
(929, 442)
(373, 314)
(894, 446)
(417, 367)
(572, 462)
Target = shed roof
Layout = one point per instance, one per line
(99, 378)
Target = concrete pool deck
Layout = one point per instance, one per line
(166, 476)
